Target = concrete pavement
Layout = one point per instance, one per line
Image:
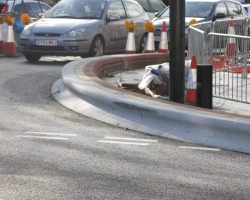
(83, 88)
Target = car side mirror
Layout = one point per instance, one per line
(217, 16)
(40, 15)
(113, 18)
(156, 14)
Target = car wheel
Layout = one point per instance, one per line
(32, 57)
(97, 47)
(143, 43)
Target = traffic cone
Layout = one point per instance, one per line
(130, 46)
(150, 45)
(231, 47)
(163, 46)
(191, 91)
(1, 37)
(9, 45)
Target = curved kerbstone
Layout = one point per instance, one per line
(83, 90)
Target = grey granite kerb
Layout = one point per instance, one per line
(82, 90)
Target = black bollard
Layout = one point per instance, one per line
(204, 86)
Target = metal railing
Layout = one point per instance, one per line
(229, 54)
(230, 66)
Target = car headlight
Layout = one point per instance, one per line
(27, 31)
(75, 32)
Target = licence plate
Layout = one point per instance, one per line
(157, 38)
(46, 42)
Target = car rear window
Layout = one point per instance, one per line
(116, 8)
(247, 9)
(133, 10)
(232, 8)
(23, 8)
(157, 5)
(221, 8)
(195, 9)
(198, 9)
(37, 9)
(144, 4)
(33, 9)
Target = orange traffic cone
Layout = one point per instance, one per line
(231, 47)
(191, 92)
(130, 46)
(1, 37)
(9, 45)
(150, 45)
(163, 46)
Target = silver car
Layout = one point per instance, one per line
(201, 11)
(84, 28)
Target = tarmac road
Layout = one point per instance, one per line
(49, 152)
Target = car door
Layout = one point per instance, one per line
(115, 29)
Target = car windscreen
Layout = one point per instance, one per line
(194, 9)
(83, 9)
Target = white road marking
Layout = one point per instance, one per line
(58, 134)
(199, 148)
(47, 136)
(60, 58)
(114, 142)
(44, 137)
(133, 139)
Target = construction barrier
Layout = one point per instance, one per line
(223, 45)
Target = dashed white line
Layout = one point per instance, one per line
(116, 142)
(43, 137)
(47, 136)
(58, 134)
(133, 139)
(200, 148)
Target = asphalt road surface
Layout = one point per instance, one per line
(50, 152)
